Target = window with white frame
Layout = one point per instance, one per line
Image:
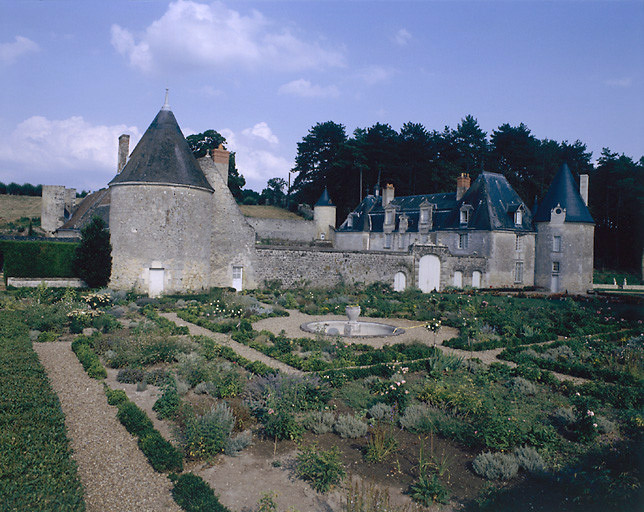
(518, 243)
(518, 272)
(424, 215)
(556, 243)
(463, 241)
(518, 217)
(465, 215)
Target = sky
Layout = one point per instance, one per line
(75, 74)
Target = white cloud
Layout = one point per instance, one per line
(402, 37)
(10, 52)
(254, 161)
(375, 74)
(306, 89)
(68, 151)
(261, 131)
(619, 82)
(203, 36)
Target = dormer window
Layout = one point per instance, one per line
(389, 217)
(518, 217)
(403, 225)
(464, 215)
(425, 217)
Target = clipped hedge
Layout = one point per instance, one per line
(82, 347)
(37, 259)
(193, 494)
(36, 468)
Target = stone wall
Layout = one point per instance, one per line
(160, 227)
(233, 239)
(328, 267)
(574, 257)
(291, 230)
(51, 282)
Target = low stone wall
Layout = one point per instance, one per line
(283, 229)
(51, 282)
(328, 267)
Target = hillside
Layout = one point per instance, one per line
(267, 212)
(16, 207)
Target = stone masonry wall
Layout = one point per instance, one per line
(327, 267)
(284, 229)
(233, 239)
(159, 226)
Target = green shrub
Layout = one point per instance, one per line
(417, 418)
(381, 444)
(161, 454)
(496, 466)
(237, 443)
(169, 401)
(529, 459)
(322, 468)
(115, 396)
(193, 494)
(106, 323)
(46, 337)
(92, 260)
(347, 426)
(88, 358)
(206, 435)
(134, 419)
(282, 425)
(319, 422)
(130, 375)
(428, 489)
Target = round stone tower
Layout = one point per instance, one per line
(565, 237)
(160, 215)
(324, 217)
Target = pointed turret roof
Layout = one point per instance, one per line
(563, 192)
(163, 156)
(324, 200)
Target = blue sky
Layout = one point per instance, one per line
(76, 74)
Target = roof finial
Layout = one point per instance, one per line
(166, 105)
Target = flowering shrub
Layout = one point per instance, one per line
(206, 435)
(322, 468)
(97, 300)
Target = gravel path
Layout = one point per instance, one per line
(115, 474)
(244, 351)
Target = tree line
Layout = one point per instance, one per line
(419, 161)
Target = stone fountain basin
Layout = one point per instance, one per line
(356, 329)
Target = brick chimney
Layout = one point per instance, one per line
(462, 184)
(221, 157)
(387, 194)
(124, 150)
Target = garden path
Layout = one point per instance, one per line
(114, 472)
(244, 351)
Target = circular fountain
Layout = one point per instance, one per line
(352, 328)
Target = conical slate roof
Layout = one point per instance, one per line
(563, 191)
(163, 156)
(324, 200)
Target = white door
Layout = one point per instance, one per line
(156, 282)
(238, 273)
(554, 283)
(429, 273)
(476, 279)
(458, 279)
(400, 282)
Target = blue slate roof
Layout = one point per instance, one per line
(564, 192)
(163, 156)
(324, 200)
(492, 199)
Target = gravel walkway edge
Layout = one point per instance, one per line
(115, 474)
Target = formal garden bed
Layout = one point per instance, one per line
(406, 417)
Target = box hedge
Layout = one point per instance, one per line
(37, 259)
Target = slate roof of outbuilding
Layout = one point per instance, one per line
(163, 156)
(96, 204)
(563, 192)
(492, 198)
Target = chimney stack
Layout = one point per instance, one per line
(462, 184)
(583, 188)
(124, 150)
(221, 158)
(387, 194)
